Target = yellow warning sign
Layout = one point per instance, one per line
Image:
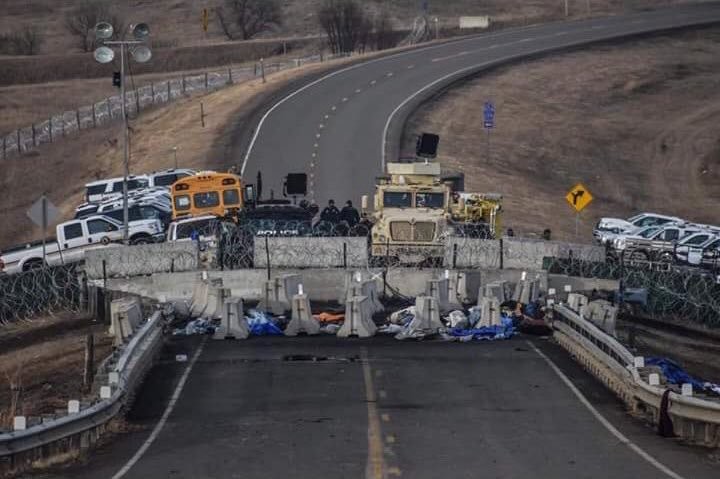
(579, 197)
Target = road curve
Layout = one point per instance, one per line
(340, 128)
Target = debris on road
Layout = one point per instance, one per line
(675, 374)
(196, 326)
(262, 324)
(327, 317)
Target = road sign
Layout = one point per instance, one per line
(489, 115)
(579, 197)
(43, 212)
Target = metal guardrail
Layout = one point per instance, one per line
(134, 361)
(696, 419)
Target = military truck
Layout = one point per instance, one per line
(415, 211)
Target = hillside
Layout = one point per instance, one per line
(178, 22)
(639, 125)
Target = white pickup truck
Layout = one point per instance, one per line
(74, 238)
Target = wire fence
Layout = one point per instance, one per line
(44, 290)
(671, 292)
(108, 110)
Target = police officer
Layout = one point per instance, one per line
(349, 214)
(330, 214)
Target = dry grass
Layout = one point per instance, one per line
(45, 359)
(63, 168)
(178, 21)
(639, 125)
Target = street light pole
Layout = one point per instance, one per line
(141, 53)
(126, 149)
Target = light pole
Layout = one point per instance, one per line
(174, 150)
(104, 54)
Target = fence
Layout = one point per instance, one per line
(39, 291)
(101, 113)
(672, 292)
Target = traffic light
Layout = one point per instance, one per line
(117, 80)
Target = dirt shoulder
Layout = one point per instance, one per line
(638, 124)
(41, 363)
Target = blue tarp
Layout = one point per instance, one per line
(503, 331)
(262, 324)
(675, 374)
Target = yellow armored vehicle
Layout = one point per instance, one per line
(414, 211)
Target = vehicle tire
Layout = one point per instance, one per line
(33, 264)
(105, 240)
(141, 239)
(666, 258)
(638, 256)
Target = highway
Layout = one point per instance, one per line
(381, 408)
(335, 127)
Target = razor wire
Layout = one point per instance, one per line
(673, 291)
(38, 291)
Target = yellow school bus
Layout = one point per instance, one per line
(206, 193)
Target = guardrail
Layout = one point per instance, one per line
(68, 435)
(695, 419)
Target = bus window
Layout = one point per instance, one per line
(206, 199)
(231, 197)
(182, 203)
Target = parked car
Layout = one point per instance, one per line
(74, 238)
(158, 197)
(206, 229)
(706, 254)
(607, 229)
(654, 243)
(166, 178)
(112, 188)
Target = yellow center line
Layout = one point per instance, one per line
(375, 461)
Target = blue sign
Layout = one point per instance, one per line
(489, 114)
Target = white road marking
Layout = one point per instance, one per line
(327, 116)
(601, 419)
(440, 59)
(317, 135)
(267, 114)
(358, 90)
(344, 99)
(313, 155)
(321, 126)
(528, 39)
(161, 423)
(560, 34)
(410, 67)
(333, 108)
(494, 45)
(316, 145)
(373, 82)
(635, 22)
(598, 27)
(389, 74)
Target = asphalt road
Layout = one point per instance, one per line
(381, 408)
(334, 128)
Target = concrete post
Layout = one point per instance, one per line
(302, 320)
(358, 318)
(496, 289)
(489, 312)
(440, 290)
(233, 324)
(426, 321)
(73, 406)
(19, 423)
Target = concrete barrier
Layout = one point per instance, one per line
(368, 289)
(233, 324)
(128, 261)
(496, 289)
(602, 314)
(125, 317)
(489, 312)
(358, 318)
(302, 320)
(278, 293)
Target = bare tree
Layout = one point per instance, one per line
(81, 21)
(245, 19)
(384, 31)
(346, 24)
(26, 41)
